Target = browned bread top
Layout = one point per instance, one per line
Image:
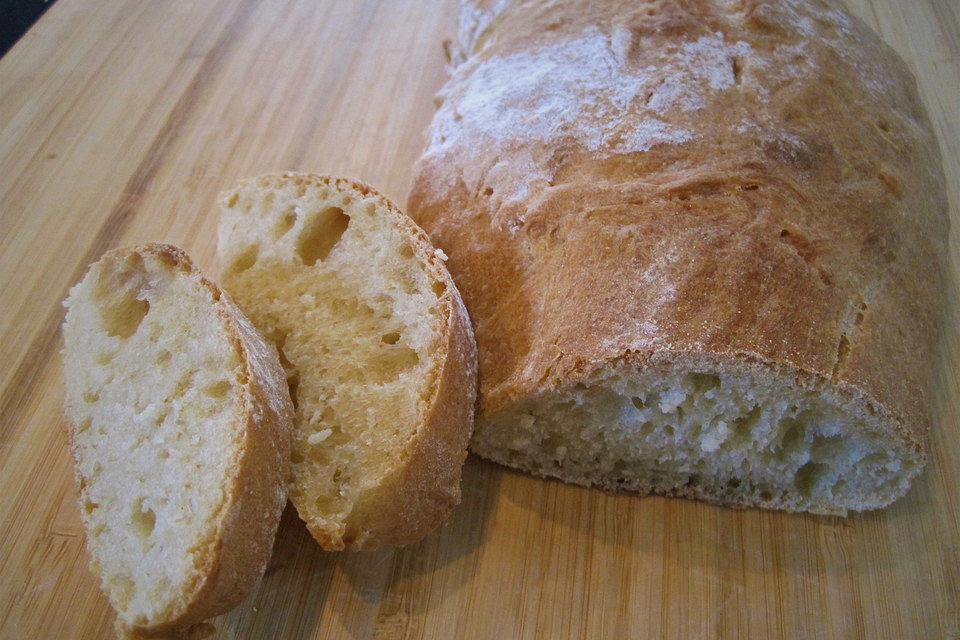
(717, 185)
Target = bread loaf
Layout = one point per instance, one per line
(377, 346)
(702, 245)
(181, 426)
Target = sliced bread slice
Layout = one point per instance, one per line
(181, 425)
(378, 350)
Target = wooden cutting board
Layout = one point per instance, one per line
(120, 121)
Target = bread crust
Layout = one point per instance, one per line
(423, 487)
(236, 554)
(786, 207)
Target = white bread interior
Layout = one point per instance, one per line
(730, 435)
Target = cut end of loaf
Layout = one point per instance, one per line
(730, 438)
(154, 382)
(350, 292)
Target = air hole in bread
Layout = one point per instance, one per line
(105, 356)
(704, 382)
(90, 396)
(122, 590)
(809, 478)
(744, 425)
(293, 383)
(142, 520)
(320, 233)
(245, 258)
(232, 200)
(438, 287)
(406, 251)
(119, 293)
(285, 222)
(84, 424)
(737, 69)
(163, 357)
(293, 375)
(182, 385)
(218, 389)
(793, 439)
(89, 506)
(827, 447)
(390, 338)
(488, 191)
(123, 317)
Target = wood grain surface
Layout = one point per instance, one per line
(120, 121)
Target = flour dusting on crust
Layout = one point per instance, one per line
(579, 95)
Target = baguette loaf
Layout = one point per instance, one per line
(701, 242)
(181, 427)
(377, 346)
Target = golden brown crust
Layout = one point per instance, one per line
(786, 206)
(242, 541)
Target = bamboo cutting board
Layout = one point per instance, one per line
(121, 120)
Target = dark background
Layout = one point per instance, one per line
(16, 16)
